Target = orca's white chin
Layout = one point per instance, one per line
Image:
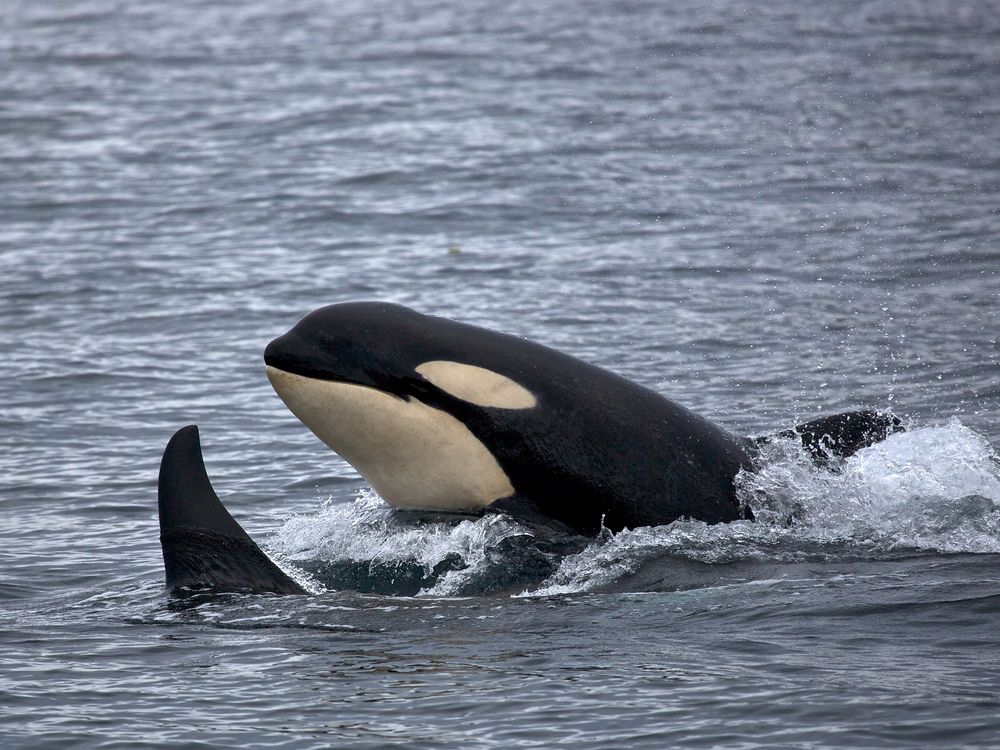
(415, 456)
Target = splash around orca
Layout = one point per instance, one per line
(443, 416)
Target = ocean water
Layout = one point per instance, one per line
(766, 212)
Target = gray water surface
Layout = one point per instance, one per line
(766, 213)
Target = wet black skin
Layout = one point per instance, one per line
(204, 549)
(596, 449)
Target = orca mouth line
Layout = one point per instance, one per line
(273, 371)
(296, 366)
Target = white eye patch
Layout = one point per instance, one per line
(477, 385)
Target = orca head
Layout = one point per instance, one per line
(395, 392)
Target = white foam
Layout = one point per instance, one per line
(367, 530)
(934, 488)
(931, 488)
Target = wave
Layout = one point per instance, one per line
(367, 546)
(933, 489)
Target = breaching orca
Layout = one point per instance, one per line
(440, 415)
(446, 417)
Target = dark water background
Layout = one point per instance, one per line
(766, 212)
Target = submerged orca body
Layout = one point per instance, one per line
(440, 416)
(204, 548)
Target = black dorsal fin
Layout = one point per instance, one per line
(186, 495)
(204, 548)
(841, 435)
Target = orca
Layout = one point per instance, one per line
(204, 549)
(438, 415)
